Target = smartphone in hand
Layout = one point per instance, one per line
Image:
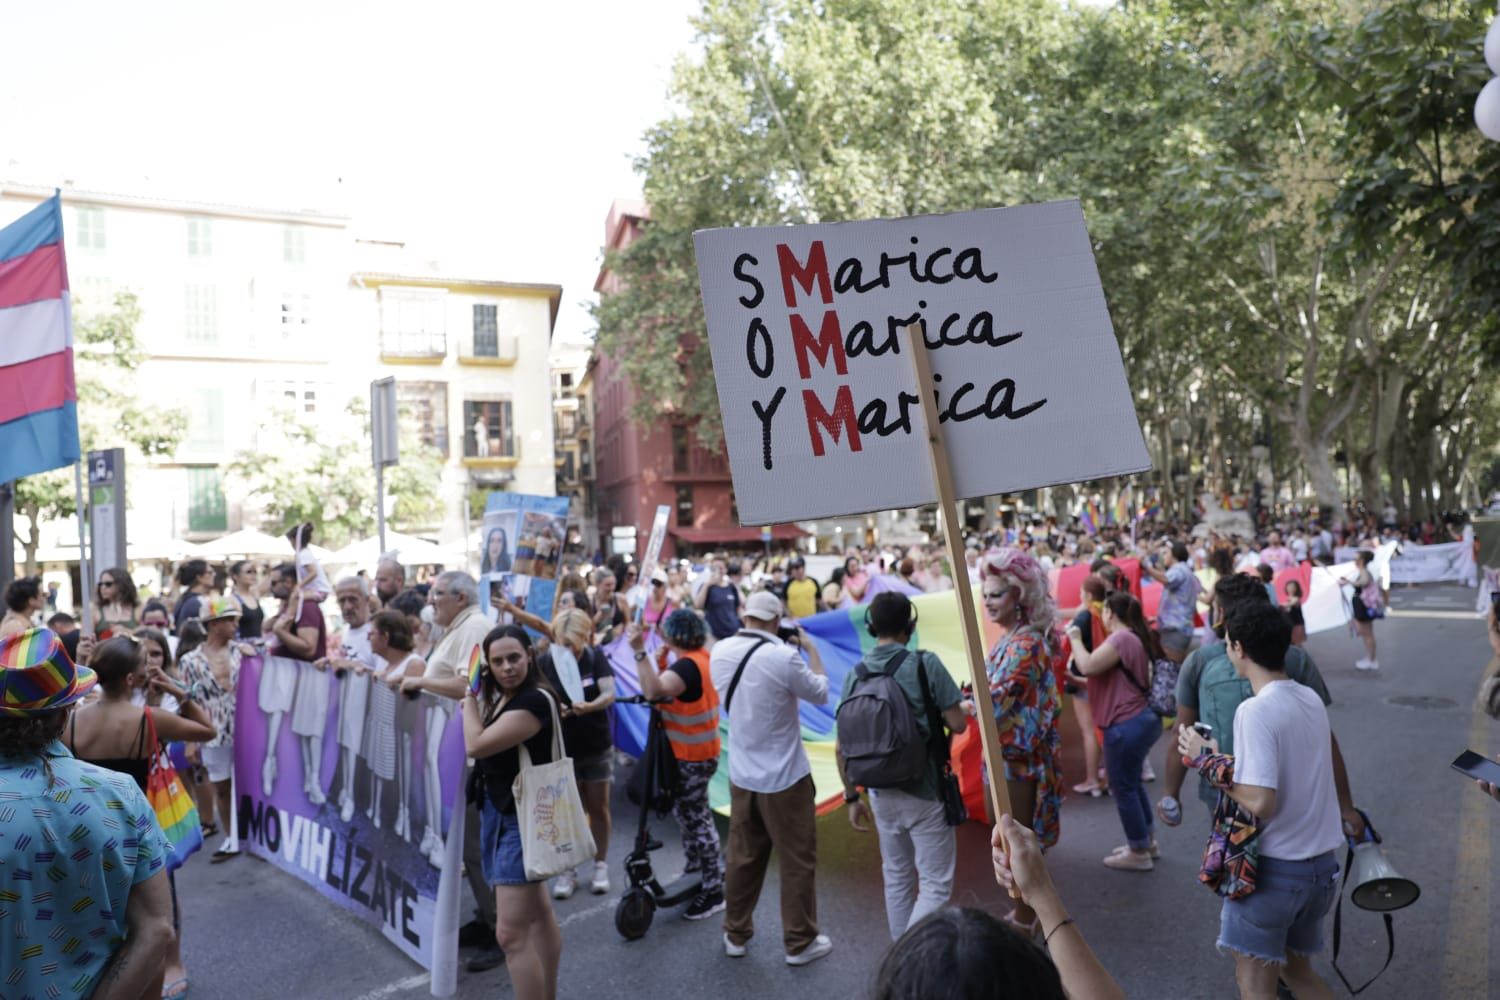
(1478, 767)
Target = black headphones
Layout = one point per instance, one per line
(911, 623)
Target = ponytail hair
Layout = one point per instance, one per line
(1123, 605)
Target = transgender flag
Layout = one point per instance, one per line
(38, 399)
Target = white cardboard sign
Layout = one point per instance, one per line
(816, 385)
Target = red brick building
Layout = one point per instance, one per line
(637, 467)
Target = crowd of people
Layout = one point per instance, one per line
(719, 640)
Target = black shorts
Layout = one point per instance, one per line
(1361, 613)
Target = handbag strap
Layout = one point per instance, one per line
(557, 750)
(1338, 915)
(735, 681)
(937, 743)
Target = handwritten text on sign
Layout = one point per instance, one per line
(806, 327)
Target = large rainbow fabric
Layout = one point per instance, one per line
(841, 639)
(476, 670)
(38, 398)
(1122, 507)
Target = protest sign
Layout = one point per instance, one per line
(1433, 563)
(815, 379)
(520, 550)
(652, 557)
(382, 859)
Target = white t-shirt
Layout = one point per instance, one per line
(1282, 741)
(318, 587)
(765, 728)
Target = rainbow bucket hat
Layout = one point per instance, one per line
(38, 676)
(219, 607)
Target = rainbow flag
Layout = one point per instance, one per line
(1091, 517)
(1151, 508)
(1122, 507)
(841, 639)
(38, 397)
(476, 670)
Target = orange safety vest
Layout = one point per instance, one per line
(692, 727)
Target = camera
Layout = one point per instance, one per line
(786, 630)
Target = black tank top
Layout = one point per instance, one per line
(252, 619)
(138, 767)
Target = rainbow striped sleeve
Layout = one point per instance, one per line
(476, 670)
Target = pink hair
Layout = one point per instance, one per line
(1018, 569)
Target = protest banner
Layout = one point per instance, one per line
(521, 549)
(982, 334)
(1433, 563)
(370, 859)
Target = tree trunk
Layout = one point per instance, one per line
(33, 539)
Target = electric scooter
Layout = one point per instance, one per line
(646, 894)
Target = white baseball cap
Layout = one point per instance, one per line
(763, 605)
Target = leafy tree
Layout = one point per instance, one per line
(308, 474)
(1295, 221)
(107, 355)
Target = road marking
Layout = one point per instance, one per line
(586, 913)
(1467, 616)
(1466, 967)
(399, 986)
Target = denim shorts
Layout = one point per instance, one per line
(500, 847)
(600, 767)
(1285, 912)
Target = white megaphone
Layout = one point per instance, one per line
(1377, 884)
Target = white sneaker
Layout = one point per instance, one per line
(346, 808)
(821, 946)
(428, 842)
(736, 950)
(1366, 665)
(600, 885)
(436, 856)
(315, 795)
(1146, 773)
(1374, 665)
(565, 885)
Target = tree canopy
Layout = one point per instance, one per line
(1294, 216)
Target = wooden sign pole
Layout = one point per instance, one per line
(942, 475)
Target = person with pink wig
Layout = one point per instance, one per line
(1023, 689)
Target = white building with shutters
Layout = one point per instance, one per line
(246, 309)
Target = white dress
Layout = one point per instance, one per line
(380, 724)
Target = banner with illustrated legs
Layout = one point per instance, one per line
(349, 785)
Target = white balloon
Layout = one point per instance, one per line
(1487, 110)
(1492, 46)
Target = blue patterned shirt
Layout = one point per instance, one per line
(70, 852)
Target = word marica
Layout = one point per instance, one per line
(832, 344)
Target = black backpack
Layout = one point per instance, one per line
(877, 730)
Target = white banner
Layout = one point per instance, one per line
(806, 325)
(1433, 563)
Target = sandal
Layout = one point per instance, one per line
(223, 854)
(166, 991)
(209, 829)
(1089, 788)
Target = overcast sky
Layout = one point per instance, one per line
(493, 135)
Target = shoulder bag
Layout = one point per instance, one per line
(170, 801)
(949, 793)
(554, 828)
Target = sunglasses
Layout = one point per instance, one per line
(657, 583)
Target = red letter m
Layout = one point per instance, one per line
(815, 273)
(830, 340)
(843, 414)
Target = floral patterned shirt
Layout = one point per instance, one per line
(1024, 691)
(204, 688)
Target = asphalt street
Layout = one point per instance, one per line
(252, 932)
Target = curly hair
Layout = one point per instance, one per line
(684, 629)
(28, 736)
(1017, 569)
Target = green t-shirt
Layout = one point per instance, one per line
(945, 694)
(1208, 683)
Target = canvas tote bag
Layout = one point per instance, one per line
(554, 828)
